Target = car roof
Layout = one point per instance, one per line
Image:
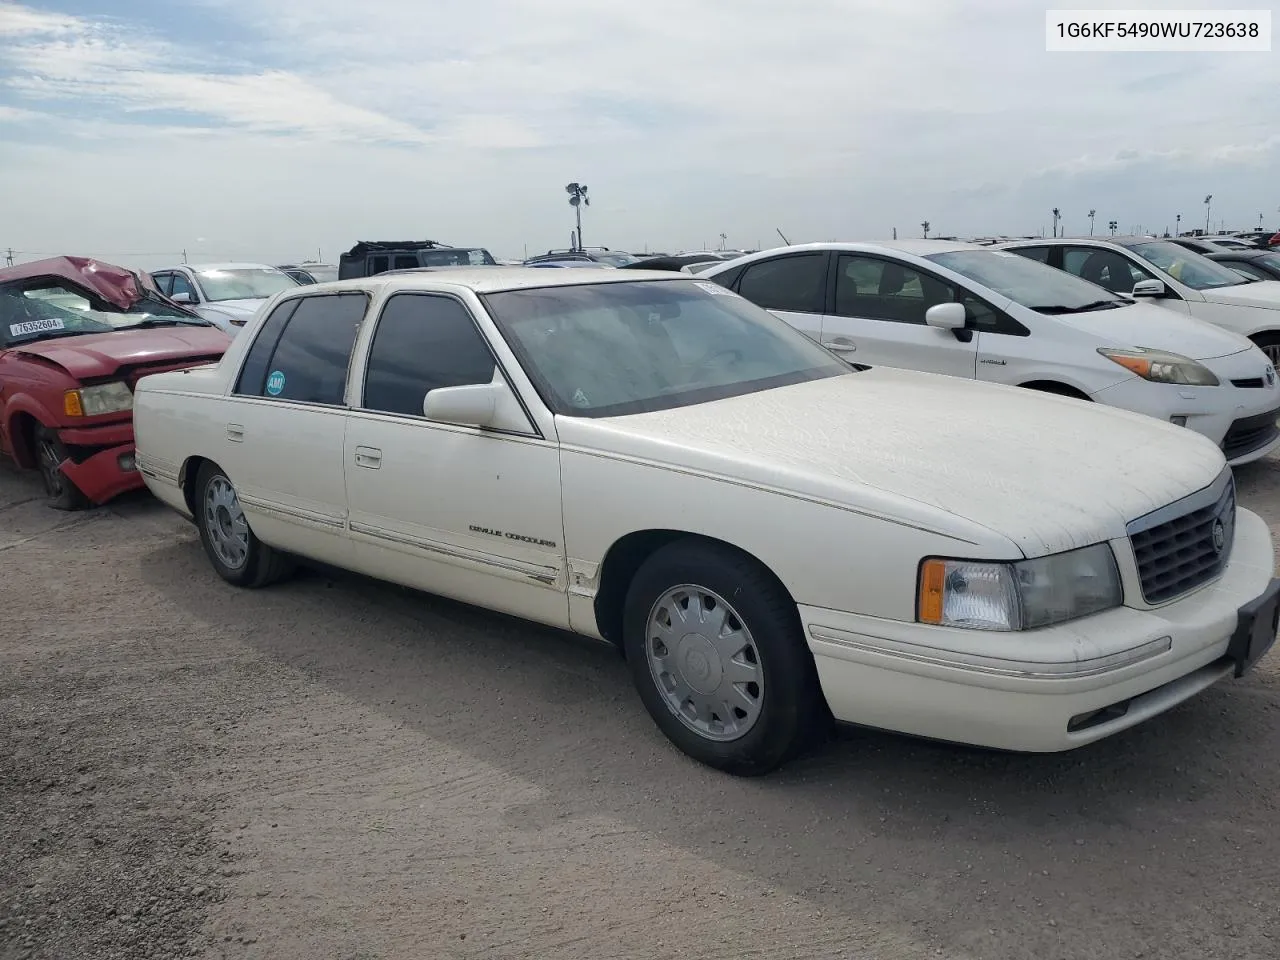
(228, 265)
(917, 248)
(491, 279)
(1119, 241)
(1234, 253)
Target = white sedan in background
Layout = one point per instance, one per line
(770, 536)
(1168, 275)
(225, 294)
(972, 311)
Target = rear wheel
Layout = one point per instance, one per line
(238, 556)
(717, 654)
(50, 455)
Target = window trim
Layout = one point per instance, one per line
(1009, 325)
(359, 406)
(791, 255)
(197, 291)
(296, 302)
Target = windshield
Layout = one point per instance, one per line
(1031, 283)
(321, 274)
(609, 349)
(615, 258)
(243, 283)
(1271, 260)
(48, 310)
(1186, 266)
(457, 257)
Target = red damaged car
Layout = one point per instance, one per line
(75, 336)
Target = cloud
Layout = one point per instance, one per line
(318, 122)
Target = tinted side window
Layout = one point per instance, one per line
(1106, 268)
(162, 282)
(796, 283)
(423, 342)
(1244, 266)
(886, 290)
(1034, 253)
(253, 375)
(728, 278)
(378, 265)
(406, 262)
(310, 361)
(181, 285)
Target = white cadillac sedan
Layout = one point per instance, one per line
(970, 311)
(771, 536)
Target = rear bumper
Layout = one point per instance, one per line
(109, 469)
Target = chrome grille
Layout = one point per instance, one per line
(1186, 544)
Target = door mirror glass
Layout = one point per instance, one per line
(946, 316)
(183, 297)
(1149, 288)
(474, 405)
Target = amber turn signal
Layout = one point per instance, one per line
(71, 404)
(932, 578)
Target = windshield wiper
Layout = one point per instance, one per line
(1058, 308)
(166, 322)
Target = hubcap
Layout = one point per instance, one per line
(225, 523)
(705, 663)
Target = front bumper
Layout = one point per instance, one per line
(1044, 690)
(109, 468)
(1235, 418)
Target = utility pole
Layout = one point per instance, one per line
(1208, 205)
(578, 199)
(184, 255)
(8, 256)
(1177, 225)
(895, 233)
(1057, 216)
(924, 225)
(1091, 216)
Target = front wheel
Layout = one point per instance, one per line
(717, 653)
(238, 556)
(50, 455)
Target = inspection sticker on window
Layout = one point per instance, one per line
(35, 326)
(714, 289)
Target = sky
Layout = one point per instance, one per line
(276, 130)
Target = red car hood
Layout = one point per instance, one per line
(102, 354)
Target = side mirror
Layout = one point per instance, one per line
(1149, 288)
(473, 405)
(182, 298)
(946, 316)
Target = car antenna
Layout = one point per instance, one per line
(783, 235)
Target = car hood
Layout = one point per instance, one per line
(1263, 293)
(1144, 325)
(102, 354)
(236, 309)
(960, 458)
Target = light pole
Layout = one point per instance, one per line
(924, 225)
(1113, 225)
(1208, 205)
(1092, 214)
(1057, 215)
(578, 199)
(1177, 225)
(724, 237)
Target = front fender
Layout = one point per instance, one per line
(25, 403)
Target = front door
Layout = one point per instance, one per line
(464, 512)
(878, 313)
(792, 287)
(283, 446)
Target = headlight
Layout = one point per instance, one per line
(1161, 366)
(1019, 596)
(95, 401)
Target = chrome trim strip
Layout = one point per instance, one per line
(1205, 497)
(542, 574)
(995, 666)
(281, 512)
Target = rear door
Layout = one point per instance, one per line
(877, 318)
(792, 287)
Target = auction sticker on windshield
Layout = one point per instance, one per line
(714, 289)
(35, 326)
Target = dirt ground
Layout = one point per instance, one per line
(334, 768)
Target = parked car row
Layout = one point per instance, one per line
(752, 481)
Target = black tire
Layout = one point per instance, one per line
(50, 453)
(262, 564)
(792, 709)
(1269, 343)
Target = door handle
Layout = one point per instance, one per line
(840, 344)
(370, 457)
(235, 432)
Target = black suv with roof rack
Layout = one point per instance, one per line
(371, 257)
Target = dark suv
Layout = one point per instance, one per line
(371, 257)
